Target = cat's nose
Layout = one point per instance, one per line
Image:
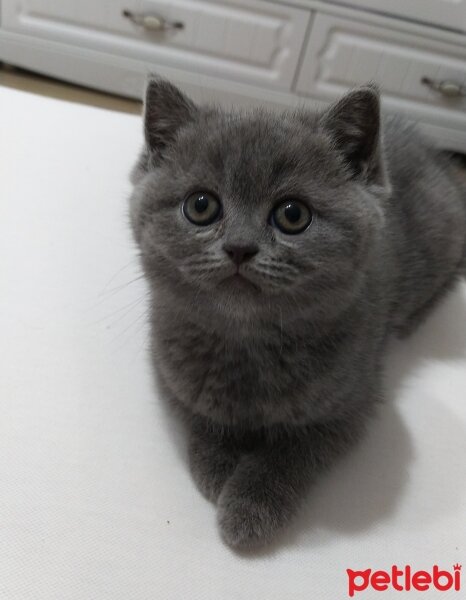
(240, 253)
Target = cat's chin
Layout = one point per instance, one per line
(239, 299)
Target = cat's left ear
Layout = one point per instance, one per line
(353, 123)
(166, 110)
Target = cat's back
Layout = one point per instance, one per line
(426, 216)
(413, 158)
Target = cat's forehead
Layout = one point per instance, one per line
(255, 152)
(257, 136)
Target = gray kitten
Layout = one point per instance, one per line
(281, 251)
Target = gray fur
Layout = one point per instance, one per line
(275, 378)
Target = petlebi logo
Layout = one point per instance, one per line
(404, 580)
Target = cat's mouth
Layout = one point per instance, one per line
(240, 281)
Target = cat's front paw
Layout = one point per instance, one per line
(211, 477)
(250, 512)
(211, 465)
(246, 522)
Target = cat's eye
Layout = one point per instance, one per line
(202, 208)
(291, 217)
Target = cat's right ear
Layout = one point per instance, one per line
(166, 109)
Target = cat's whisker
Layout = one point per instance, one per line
(127, 309)
(278, 266)
(138, 319)
(131, 263)
(123, 286)
(202, 262)
(142, 320)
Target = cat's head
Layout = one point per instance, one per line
(247, 212)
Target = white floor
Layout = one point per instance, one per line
(95, 498)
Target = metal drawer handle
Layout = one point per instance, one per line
(151, 21)
(451, 89)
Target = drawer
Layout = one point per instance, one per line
(252, 41)
(343, 53)
(449, 13)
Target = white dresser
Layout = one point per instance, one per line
(286, 52)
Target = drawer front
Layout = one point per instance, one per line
(244, 40)
(342, 54)
(449, 13)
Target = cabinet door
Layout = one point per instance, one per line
(446, 13)
(342, 53)
(253, 41)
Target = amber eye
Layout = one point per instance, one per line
(291, 217)
(202, 208)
